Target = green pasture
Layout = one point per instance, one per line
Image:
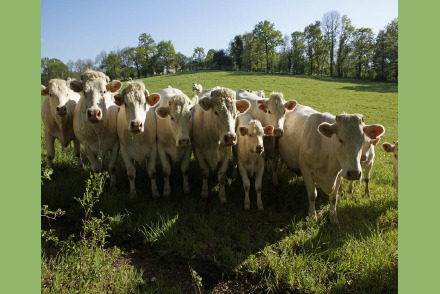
(184, 244)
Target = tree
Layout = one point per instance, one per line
(222, 60)
(247, 54)
(331, 23)
(209, 60)
(51, 69)
(266, 35)
(380, 58)
(165, 54)
(147, 49)
(362, 48)
(344, 47)
(236, 49)
(313, 38)
(112, 65)
(199, 57)
(392, 46)
(298, 51)
(182, 61)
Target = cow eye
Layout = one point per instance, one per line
(340, 141)
(125, 104)
(284, 112)
(104, 91)
(216, 113)
(268, 111)
(189, 117)
(172, 118)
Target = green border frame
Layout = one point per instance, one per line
(20, 217)
(21, 128)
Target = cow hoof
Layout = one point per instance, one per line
(132, 194)
(166, 194)
(223, 201)
(247, 207)
(260, 207)
(204, 195)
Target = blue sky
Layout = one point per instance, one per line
(81, 29)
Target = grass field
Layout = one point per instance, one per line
(183, 244)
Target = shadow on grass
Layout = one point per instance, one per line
(210, 238)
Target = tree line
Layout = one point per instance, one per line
(330, 47)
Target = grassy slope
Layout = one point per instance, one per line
(251, 251)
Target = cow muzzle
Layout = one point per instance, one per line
(278, 132)
(353, 175)
(363, 157)
(259, 149)
(136, 127)
(94, 116)
(230, 139)
(62, 111)
(183, 143)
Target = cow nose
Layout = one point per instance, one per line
(94, 115)
(354, 175)
(363, 157)
(278, 132)
(230, 139)
(259, 149)
(62, 110)
(136, 126)
(184, 142)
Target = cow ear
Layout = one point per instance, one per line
(44, 91)
(162, 111)
(290, 105)
(242, 105)
(374, 131)
(76, 85)
(114, 86)
(374, 142)
(326, 129)
(262, 106)
(153, 99)
(205, 103)
(387, 147)
(146, 93)
(243, 131)
(119, 99)
(268, 130)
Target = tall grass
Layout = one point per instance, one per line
(173, 241)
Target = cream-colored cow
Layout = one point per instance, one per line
(57, 115)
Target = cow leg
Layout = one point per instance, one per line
(274, 166)
(94, 160)
(350, 188)
(184, 167)
(131, 171)
(334, 200)
(151, 169)
(49, 141)
(311, 191)
(258, 182)
(112, 163)
(205, 173)
(246, 185)
(77, 151)
(222, 177)
(166, 168)
(367, 179)
(234, 161)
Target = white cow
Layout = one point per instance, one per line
(57, 115)
(324, 148)
(393, 148)
(214, 133)
(249, 150)
(367, 160)
(272, 112)
(197, 88)
(136, 127)
(174, 132)
(94, 120)
(259, 93)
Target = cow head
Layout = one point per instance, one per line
(58, 93)
(136, 101)
(275, 108)
(178, 113)
(96, 91)
(254, 133)
(223, 108)
(392, 148)
(368, 147)
(350, 132)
